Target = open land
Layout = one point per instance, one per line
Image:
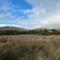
(30, 47)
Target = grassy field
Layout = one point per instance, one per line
(30, 47)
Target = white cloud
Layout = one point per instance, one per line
(39, 18)
(44, 15)
(53, 19)
(8, 25)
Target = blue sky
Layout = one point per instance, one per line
(30, 13)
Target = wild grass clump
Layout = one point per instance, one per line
(3, 40)
(7, 52)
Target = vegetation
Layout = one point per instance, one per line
(41, 32)
(30, 47)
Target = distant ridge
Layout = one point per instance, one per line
(22, 29)
(11, 28)
(40, 28)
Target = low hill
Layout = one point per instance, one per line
(11, 28)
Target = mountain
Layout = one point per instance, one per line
(41, 29)
(11, 28)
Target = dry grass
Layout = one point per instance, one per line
(30, 47)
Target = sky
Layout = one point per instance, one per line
(30, 14)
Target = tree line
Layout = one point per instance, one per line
(41, 32)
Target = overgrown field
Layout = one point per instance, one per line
(30, 47)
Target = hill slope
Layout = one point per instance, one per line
(11, 28)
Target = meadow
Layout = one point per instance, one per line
(29, 47)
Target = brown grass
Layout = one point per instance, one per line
(30, 47)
